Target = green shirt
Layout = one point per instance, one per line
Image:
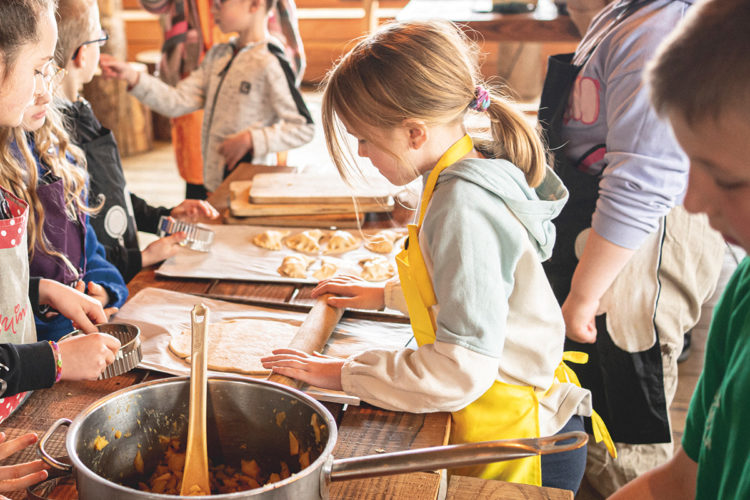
(717, 431)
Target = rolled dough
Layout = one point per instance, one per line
(237, 345)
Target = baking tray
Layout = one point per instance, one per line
(233, 256)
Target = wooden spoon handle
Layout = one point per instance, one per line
(195, 474)
(313, 334)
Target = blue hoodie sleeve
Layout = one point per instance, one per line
(101, 271)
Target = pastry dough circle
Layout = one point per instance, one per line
(237, 345)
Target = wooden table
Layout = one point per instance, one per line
(542, 25)
(363, 430)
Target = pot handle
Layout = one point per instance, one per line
(46, 457)
(459, 455)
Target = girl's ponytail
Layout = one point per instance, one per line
(516, 140)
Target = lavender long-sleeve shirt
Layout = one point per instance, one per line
(611, 125)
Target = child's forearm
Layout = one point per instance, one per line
(597, 268)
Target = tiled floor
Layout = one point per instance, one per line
(153, 176)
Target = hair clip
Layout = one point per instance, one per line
(481, 99)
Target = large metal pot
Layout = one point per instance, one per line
(243, 421)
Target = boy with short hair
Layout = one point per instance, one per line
(79, 37)
(701, 82)
(246, 88)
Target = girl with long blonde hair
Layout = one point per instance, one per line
(488, 328)
(66, 248)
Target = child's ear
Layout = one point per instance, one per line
(417, 130)
(77, 61)
(257, 4)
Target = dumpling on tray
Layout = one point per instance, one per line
(295, 266)
(306, 241)
(377, 268)
(382, 242)
(270, 239)
(326, 270)
(341, 241)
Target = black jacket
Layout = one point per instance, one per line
(123, 214)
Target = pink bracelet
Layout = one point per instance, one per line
(58, 360)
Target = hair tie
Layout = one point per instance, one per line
(481, 99)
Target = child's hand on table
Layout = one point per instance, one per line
(84, 357)
(191, 210)
(315, 369)
(353, 292)
(162, 249)
(19, 476)
(98, 292)
(73, 303)
(235, 147)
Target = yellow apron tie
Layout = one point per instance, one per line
(564, 373)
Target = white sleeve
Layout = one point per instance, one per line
(435, 377)
(394, 296)
(189, 95)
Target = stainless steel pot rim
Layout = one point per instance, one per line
(80, 468)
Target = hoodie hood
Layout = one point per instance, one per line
(533, 207)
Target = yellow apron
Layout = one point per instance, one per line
(504, 411)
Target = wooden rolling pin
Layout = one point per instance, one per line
(312, 335)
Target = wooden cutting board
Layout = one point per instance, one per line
(317, 188)
(324, 221)
(241, 206)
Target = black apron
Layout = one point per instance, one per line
(627, 388)
(114, 224)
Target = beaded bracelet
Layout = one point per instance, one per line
(58, 360)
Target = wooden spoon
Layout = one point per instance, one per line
(313, 334)
(195, 476)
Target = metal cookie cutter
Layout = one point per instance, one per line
(129, 354)
(198, 237)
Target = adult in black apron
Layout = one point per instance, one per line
(627, 386)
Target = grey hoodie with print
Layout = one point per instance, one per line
(240, 88)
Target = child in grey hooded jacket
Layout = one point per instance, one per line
(246, 88)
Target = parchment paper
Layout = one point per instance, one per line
(234, 256)
(159, 312)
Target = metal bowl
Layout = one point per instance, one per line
(129, 355)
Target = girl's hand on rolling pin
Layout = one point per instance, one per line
(73, 303)
(352, 292)
(191, 210)
(114, 68)
(315, 369)
(235, 147)
(580, 319)
(84, 357)
(19, 476)
(162, 249)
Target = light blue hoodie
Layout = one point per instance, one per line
(478, 226)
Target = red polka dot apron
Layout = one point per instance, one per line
(16, 316)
